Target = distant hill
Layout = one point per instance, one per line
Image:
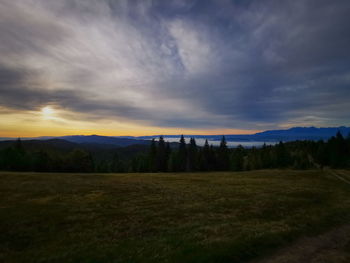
(103, 141)
(292, 134)
(308, 131)
(96, 139)
(303, 133)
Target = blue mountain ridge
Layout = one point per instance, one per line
(292, 134)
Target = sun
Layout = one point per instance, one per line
(48, 112)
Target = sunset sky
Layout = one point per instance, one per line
(170, 67)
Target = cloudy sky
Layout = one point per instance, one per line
(150, 67)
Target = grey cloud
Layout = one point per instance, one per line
(23, 31)
(205, 64)
(18, 93)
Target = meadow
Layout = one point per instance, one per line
(165, 217)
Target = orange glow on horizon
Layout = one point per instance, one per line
(50, 121)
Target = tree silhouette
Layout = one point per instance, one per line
(223, 155)
(22, 156)
(205, 157)
(161, 155)
(182, 155)
(153, 156)
(192, 156)
(282, 155)
(237, 159)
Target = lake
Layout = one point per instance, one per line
(230, 144)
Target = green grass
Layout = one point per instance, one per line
(198, 217)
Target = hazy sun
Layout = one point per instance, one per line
(48, 112)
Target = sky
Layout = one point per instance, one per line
(171, 67)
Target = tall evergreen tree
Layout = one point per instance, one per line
(237, 159)
(173, 162)
(161, 155)
(182, 155)
(265, 156)
(282, 155)
(153, 156)
(223, 155)
(167, 154)
(20, 158)
(117, 164)
(337, 151)
(254, 160)
(18, 145)
(205, 157)
(213, 164)
(192, 155)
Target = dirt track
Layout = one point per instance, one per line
(330, 247)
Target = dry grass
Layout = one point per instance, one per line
(198, 217)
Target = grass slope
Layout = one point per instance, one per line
(201, 217)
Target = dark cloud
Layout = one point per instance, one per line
(18, 93)
(227, 64)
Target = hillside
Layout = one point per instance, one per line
(292, 134)
(99, 151)
(96, 139)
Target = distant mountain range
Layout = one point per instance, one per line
(292, 134)
(116, 141)
(102, 141)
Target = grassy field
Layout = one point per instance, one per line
(198, 217)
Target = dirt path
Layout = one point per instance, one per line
(331, 247)
(340, 177)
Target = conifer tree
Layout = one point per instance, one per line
(223, 155)
(212, 159)
(265, 156)
(182, 155)
(167, 154)
(153, 156)
(338, 151)
(18, 145)
(237, 159)
(161, 155)
(192, 155)
(282, 155)
(205, 157)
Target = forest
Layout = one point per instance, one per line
(161, 156)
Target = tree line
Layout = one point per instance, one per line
(162, 157)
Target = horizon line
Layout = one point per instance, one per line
(158, 135)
